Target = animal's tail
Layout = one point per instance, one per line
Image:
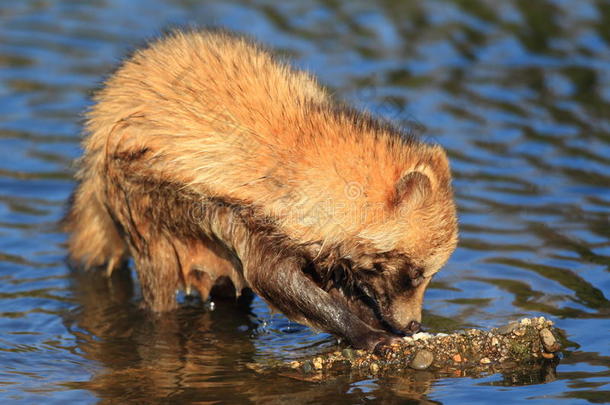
(94, 238)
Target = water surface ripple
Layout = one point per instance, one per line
(517, 91)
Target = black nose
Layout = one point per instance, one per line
(414, 327)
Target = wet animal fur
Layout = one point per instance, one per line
(208, 160)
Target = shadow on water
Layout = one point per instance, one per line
(518, 92)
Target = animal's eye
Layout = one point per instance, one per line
(413, 277)
(417, 281)
(378, 267)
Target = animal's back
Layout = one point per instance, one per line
(214, 108)
(218, 114)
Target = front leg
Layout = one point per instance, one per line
(282, 284)
(274, 270)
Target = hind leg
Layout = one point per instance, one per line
(169, 265)
(207, 267)
(159, 272)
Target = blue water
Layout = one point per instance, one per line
(518, 92)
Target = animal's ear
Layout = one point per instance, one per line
(411, 189)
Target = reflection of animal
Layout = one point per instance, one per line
(207, 160)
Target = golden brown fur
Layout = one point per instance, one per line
(207, 159)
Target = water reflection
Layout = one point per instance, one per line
(193, 354)
(144, 357)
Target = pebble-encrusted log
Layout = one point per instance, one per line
(528, 341)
